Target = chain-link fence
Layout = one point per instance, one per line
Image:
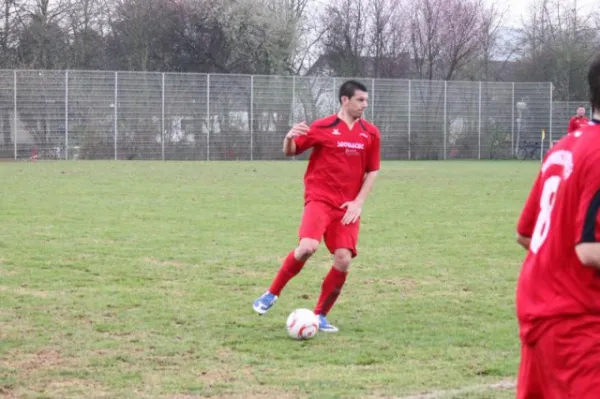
(168, 116)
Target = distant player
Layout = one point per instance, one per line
(340, 174)
(578, 120)
(558, 291)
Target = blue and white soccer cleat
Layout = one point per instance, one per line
(325, 326)
(264, 303)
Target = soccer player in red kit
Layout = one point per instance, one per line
(558, 290)
(578, 120)
(341, 171)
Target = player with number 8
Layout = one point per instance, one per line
(558, 290)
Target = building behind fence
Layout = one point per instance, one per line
(176, 116)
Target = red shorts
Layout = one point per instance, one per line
(564, 363)
(323, 221)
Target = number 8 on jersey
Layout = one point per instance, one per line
(542, 224)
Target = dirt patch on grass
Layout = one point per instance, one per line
(88, 388)
(249, 272)
(7, 393)
(45, 359)
(24, 291)
(251, 394)
(275, 259)
(30, 367)
(475, 391)
(57, 388)
(164, 263)
(399, 282)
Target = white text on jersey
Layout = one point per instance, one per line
(562, 158)
(347, 144)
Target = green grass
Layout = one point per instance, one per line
(135, 279)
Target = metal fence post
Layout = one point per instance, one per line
(550, 126)
(445, 113)
(15, 117)
(162, 118)
(409, 117)
(293, 110)
(479, 123)
(293, 113)
(66, 114)
(333, 97)
(373, 100)
(512, 117)
(251, 118)
(208, 117)
(116, 116)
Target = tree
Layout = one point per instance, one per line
(345, 41)
(447, 34)
(556, 44)
(87, 21)
(387, 34)
(364, 38)
(137, 39)
(43, 43)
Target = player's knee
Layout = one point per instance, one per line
(306, 248)
(342, 259)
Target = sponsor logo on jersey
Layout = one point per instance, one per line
(351, 145)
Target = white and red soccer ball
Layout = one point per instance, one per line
(302, 324)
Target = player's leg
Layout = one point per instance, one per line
(314, 221)
(528, 383)
(341, 240)
(573, 346)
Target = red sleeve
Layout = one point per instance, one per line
(588, 215)
(374, 157)
(307, 141)
(530, 211)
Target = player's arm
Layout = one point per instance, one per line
(296, 135)
(526, 223)
(289, 147)
(373, 163)
(587, 247)
(572, 125)
(523, 241)
(367, 186)
(354, 208)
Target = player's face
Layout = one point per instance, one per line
(580, 111)
(355, 106)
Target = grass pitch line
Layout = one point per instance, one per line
(451, 393)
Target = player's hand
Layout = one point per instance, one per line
(299, 129)
(353, 210)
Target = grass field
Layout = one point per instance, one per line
(135, 279)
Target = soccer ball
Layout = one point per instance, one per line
(302, 324)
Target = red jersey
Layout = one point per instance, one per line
(340, 158)
(560, 212)
(577, 122)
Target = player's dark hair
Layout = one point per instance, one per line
(349, 87)
(594, 83)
